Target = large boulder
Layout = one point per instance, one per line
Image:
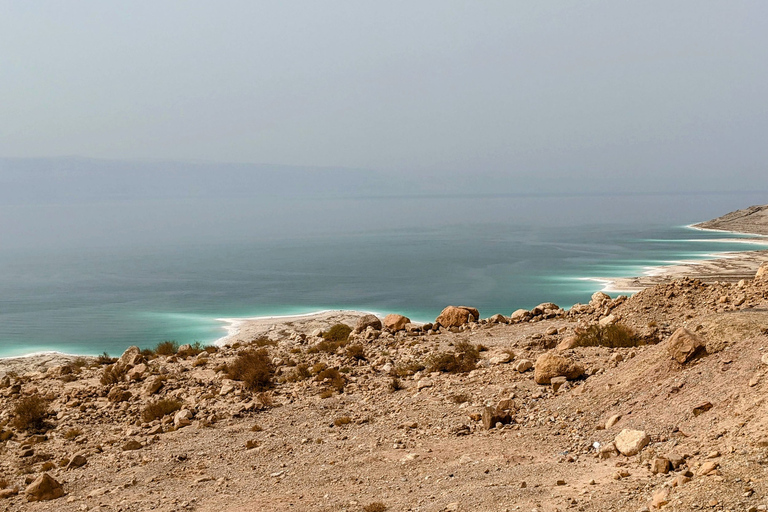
(684, 345)
(367, 321)
(550, 365)
(456, 316)
(546, 308)
(630, 442)
(44, 488)
(762, 272)
(395, 322)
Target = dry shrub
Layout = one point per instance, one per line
(301, 372)
(463, 359)
(335, 380)
(342, 420)
(613, 336)
(407, 369)
(3, 483)
(338, 333)
(30, 413)
(113, 374)
(376, 506)
(256, 428)
(356, 352)
(326, 393)
(254, 368)
(47, 466)
(166, 348)
(160, 408)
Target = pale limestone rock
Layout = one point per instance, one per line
(630, 442)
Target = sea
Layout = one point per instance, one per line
(98, 276)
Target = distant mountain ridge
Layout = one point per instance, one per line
(752, 220)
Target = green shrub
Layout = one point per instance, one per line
(160, 408)
(613, 336)
(338, 333)
(463, 359)
(254, 368)
(30, 413)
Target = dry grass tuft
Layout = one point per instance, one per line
(376, 506)
(71, 434)
(342, 420)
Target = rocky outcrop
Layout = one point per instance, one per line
(456, 316)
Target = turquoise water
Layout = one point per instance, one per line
(90, 298)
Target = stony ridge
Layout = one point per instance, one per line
(752, 220)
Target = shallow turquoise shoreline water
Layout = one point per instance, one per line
(107, 299)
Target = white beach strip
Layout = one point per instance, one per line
(247, 329)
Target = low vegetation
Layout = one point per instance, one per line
(30, 413)
(113, 374)
(463, 359)
(338, 333)
(356, 352)
(254, 368)
(376, 506)
(159, 408)
(613, 336)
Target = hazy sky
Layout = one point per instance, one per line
(583, 93)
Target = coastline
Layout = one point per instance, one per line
(724, 267)
(729, 266)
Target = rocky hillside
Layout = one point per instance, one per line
(753, 220)
(651, 402)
